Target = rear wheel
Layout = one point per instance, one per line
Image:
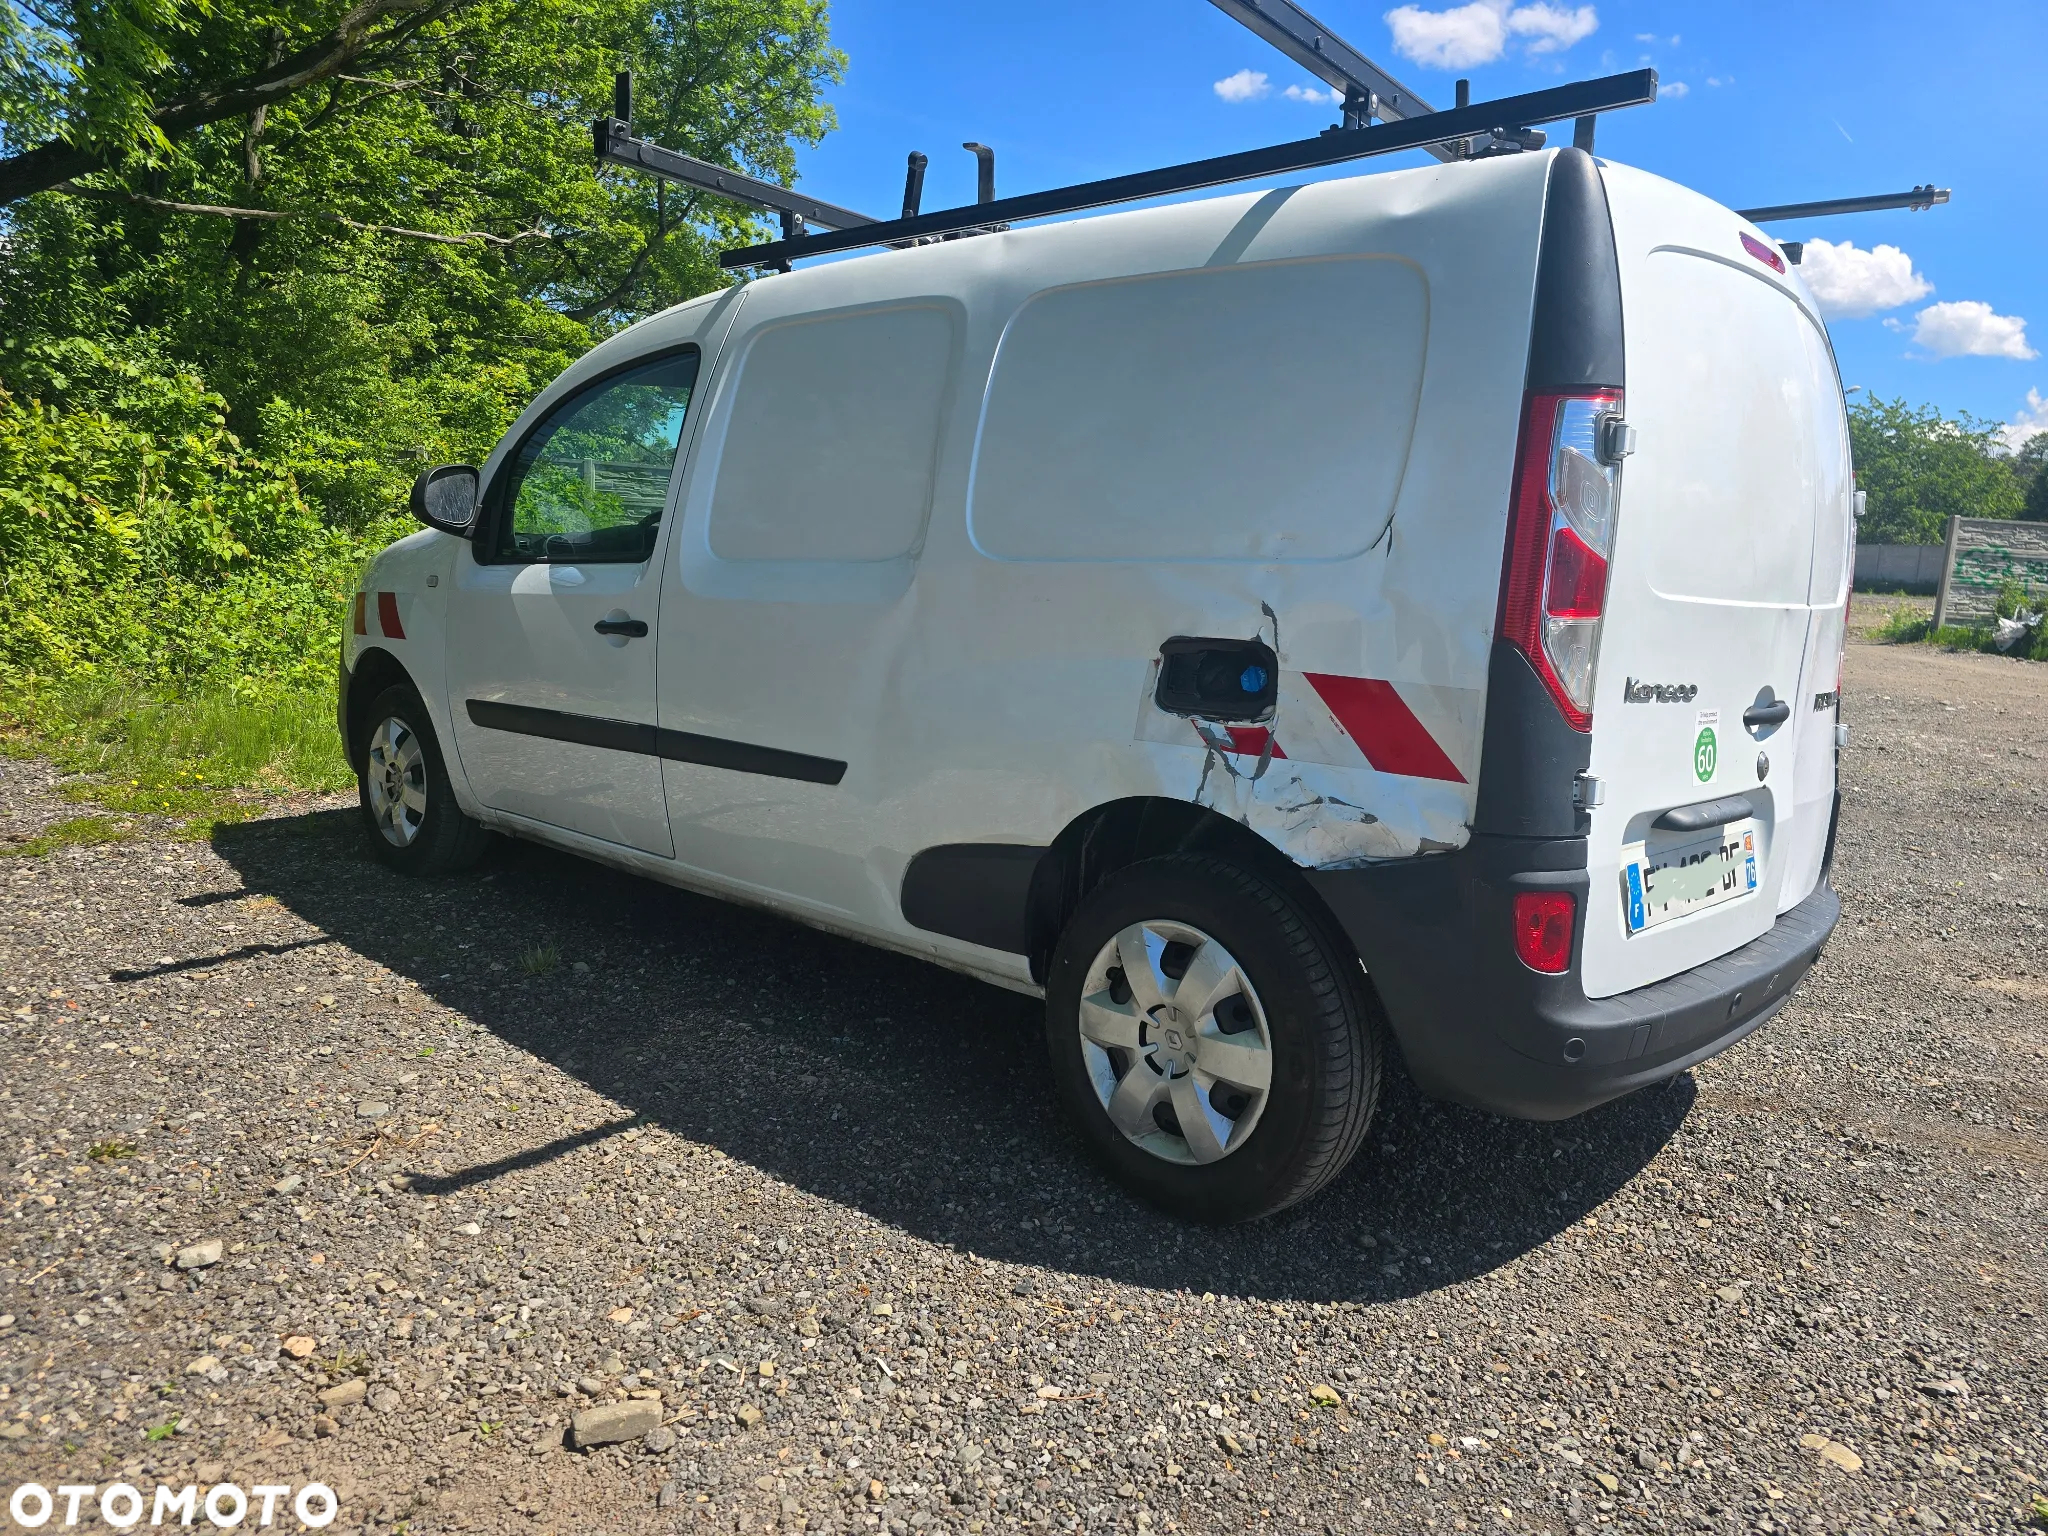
(1216, 1043)
(409, 810)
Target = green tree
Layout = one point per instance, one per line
(2031, 465)
(1920, 468)
(385, 264)
(261, 258)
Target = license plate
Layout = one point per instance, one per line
(1666, 878)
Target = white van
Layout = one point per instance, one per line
(1409, 603)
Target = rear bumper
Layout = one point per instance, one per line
(1479, 1027)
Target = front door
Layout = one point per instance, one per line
(551, 645)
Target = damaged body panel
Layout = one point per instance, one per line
(1343, 770)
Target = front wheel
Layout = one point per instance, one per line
(409, 810)
(1214, 1040)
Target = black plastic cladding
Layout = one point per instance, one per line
(1530, 757)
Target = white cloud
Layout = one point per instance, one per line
(1313, 93)
(2033, 417)
(1677, 90)
(1718, 80)
(1453, 39)
(1479, 33)
(1245, 85)
(1967, 328)
(1851, 283)
(1651, 37)
(1552, 28)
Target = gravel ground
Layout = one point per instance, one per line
(28, 799)
(481, 1155)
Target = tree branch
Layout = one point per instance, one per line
(474, 236)
(370, 29)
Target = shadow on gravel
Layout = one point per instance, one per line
(915, 1095)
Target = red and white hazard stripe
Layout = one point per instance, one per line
(388, 623)
(1414, 730)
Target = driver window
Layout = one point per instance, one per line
(589, 483)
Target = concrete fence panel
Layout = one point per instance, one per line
(1983, 554)
(1915, 567)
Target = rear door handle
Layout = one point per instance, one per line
(1777, 712)
(632, 629)
(1708, 813)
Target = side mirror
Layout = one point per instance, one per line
(444, 497)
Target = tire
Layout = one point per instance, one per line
(1278, 992)
(409, 810)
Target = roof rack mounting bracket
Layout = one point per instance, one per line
(616, 145)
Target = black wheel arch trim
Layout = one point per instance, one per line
(375, 670)
(979, 893)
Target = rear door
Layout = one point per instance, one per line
(1720, 623)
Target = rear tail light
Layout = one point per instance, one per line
(1543, 930)
(1553, 588)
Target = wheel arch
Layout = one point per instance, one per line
(1118, 833)
(375, 670)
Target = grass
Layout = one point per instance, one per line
(200, 758)
(1905, 626)
(77, 832)
(540, 959)
(109, 1151)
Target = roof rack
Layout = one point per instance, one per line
(1380, 117)
(1369, 92)
(1510, 114)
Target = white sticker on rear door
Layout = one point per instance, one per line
(1706, 746)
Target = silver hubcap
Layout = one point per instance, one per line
(1175, 1042)
(396, 773)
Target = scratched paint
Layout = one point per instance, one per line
(1332, 789)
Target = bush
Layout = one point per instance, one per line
(140, 542)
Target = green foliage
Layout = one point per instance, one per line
(2031, 465)
(208, 422)
(77, 832)
(1908, 626)
(2012, 599)
(139, 542)
(1920, 469)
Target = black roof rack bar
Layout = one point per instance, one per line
(1919, 197)
(1368, 90)
(1581, 98)
(616, 144)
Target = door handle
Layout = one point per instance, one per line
(632, 629)
(1757, 716)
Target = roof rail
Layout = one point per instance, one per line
(1917, 199)
(1509, 114)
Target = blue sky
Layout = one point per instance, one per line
(1763, 104)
